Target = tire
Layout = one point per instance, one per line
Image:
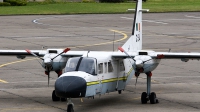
(70, 108)
(153, 98)
(119, 91)
(54, 97)
(144, 98)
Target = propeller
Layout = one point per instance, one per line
(48, 62)
(28, 51)
(138, 64)
(122, 50)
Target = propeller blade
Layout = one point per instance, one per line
(64, 51)
(48, 79)
(48, 73)
(122, 50)
(28, 51)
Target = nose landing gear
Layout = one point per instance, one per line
(70, 105)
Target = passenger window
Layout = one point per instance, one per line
(100, 68)
(110, 68)
(105, 67)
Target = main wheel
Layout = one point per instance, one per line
(70, 108)
(119, 91)
(152, 98)
(54, 97)
(144, 98)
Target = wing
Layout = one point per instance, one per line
(159, 55)
(74, 53)
(121, 55)
(21, 52)
(171, 55)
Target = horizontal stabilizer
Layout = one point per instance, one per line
(133, 10)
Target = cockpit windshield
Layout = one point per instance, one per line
(84, 64)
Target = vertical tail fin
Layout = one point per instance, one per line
(134, 43)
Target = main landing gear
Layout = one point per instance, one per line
(70, 105)
(146, 96)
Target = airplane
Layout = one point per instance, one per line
(90, 73)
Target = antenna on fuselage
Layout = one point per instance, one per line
(114, 42)
(87, 53)
(169, 49)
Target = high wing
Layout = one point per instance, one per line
(121, 55)
(159, 55)
(40, 53)
(74, 53)
(21, 52)
(174, 55)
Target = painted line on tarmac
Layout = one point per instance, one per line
(150, 21)
(3, 81)
(16, 62)
(32, 81)
(24, 109)
(192, 17)
(110, 42)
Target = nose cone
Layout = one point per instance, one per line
(70, 87)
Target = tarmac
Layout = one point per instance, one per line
(23, 84)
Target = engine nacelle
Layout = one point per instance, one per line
(20, 57)
(57, 64)
(184, 59)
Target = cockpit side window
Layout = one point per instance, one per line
(71, 64)
(84, 64)
(87, 65)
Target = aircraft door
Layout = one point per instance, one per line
(99, 76)
(120, 75)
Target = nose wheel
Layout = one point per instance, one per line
(70, 105)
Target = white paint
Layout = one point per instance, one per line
(192, 17)
(150, 21)
(172, 77)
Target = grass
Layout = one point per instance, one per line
(82, 8)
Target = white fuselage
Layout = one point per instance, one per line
(111, 74)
